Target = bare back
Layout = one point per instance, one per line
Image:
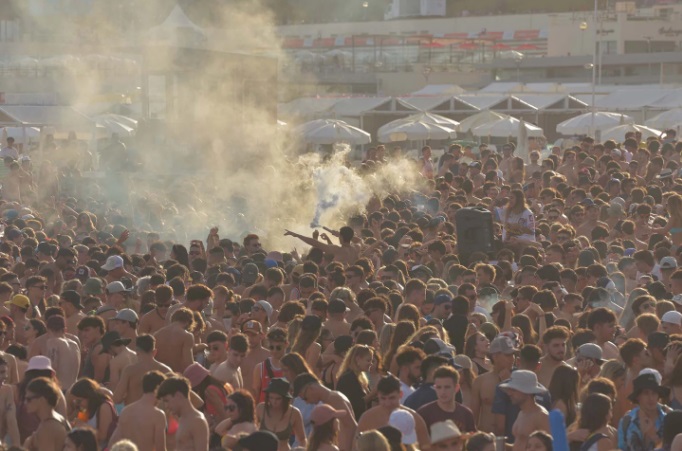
(147, 437)
(129, 388)
(65, 356)
(171, 343)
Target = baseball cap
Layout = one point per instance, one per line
(673, 317)
(113, 262)
(323, 413)
(668, 263)
(404, 422)
(442, 299)
(82, 273)
(128, 315)
(252, 326)
(438, 346)
(250, 273)
(422, 269)
(116, 287)
(259, 440)
(590, 351)
(265, 305)
(503, 345)
(113, 338)
(72, 297)
(337, 306)
(93, 286)
(20, 301)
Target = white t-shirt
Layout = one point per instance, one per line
(524, 219)
(407, 391)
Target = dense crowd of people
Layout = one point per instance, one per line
(383, 336)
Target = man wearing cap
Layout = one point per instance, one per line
(256, 353)
(95, 287)
(336, 318)
(668, 266)
(121, 356)
(522, 388)
(125, 323)
(117, 296)
(63, 352)
(671, 322)
(70, 302)
(143, 412)
(115, 268)
(311, 390)
(18, 311)
(588, 361)
(503, 355)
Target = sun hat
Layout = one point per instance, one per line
(404, 421)
(445, 430)
(525, 382)
(196, 374)
(39, 363)
(646, 381)
(323, 413)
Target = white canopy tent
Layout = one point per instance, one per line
(414, 131)
(331, 131)
(582, 124)
(618, 132)
(667, 119)
(484, 117)
(507, 126)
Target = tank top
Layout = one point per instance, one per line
(285, 433)
(267, 373)
(210, 409)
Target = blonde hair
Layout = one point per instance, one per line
(349, 363)
(372, 441)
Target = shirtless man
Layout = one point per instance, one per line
(117, 295)
(156, 319)
(522, 388)
(192, 433)
(602, 322)
(95, 363)
(502, 354)
(70, 302)
(64, 353)
(309, 388)
(8, 412)
(346, 253)
(129, 388)
(122, 356)
(142, 422)
(38, 345)
(336, 322)
(125, 323)
(256, 353)
(175, 342)
(389, 392)
(229, 370)
(216, 342)
(554, 343)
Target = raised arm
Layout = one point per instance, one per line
(326, 248)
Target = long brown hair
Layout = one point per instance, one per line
(323, 433)
(403, 331)
(564, 386)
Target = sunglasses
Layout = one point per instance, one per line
(275, 348)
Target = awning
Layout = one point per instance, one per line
(63, 118)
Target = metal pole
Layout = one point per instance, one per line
(594, 69)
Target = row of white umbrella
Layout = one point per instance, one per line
(428, 126)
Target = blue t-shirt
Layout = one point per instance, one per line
(502, 405)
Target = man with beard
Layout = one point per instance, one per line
(554, 343)
(409, 361)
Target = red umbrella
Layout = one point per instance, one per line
(527, 47)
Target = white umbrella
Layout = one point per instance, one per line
(330, 131)
(425, 118)
(508, 126)
(667, 119)
(582, 125)
(618, 132)
(484, 117)
(116, 123)
(414, 131)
